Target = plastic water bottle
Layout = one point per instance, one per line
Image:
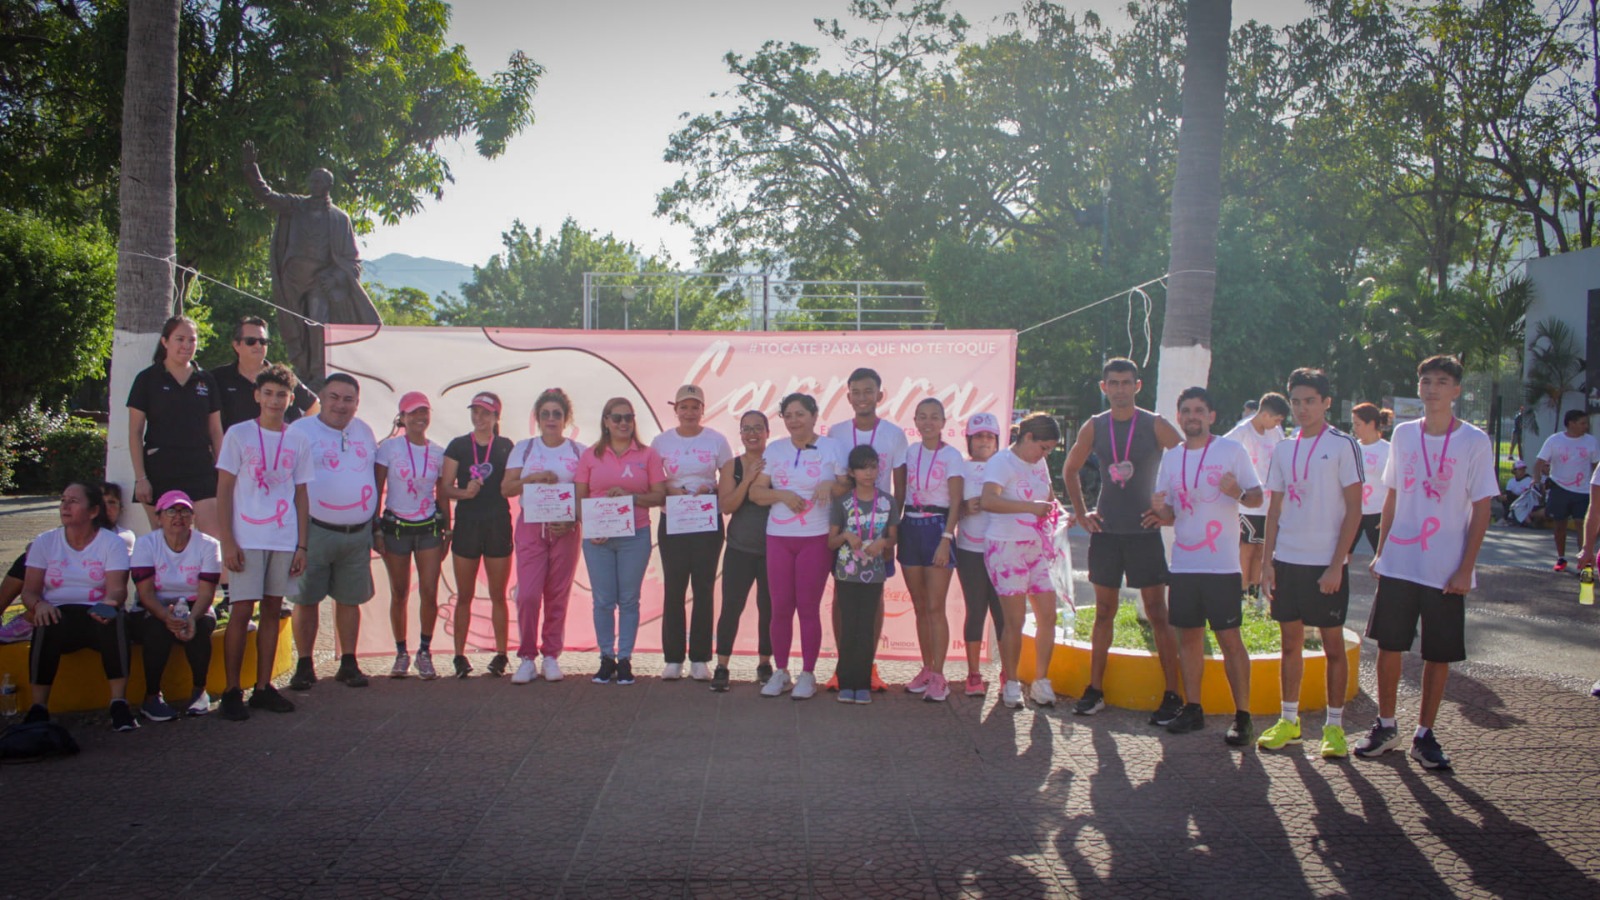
(180, 610)
(8, 696)
(1586, 586)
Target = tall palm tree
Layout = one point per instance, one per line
(1487, 328)
(148, 204)
(1555, 360)
(1196, 204)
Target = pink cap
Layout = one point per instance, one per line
(983, 423)
(486, 400)
(413, 401)
(174, 498)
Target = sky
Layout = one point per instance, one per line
(618, 77)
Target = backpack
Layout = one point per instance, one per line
(35, 741)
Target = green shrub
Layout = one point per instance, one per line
(74, 453)
(23, 465)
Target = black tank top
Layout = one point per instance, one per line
(1125, 494)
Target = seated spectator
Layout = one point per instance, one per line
(175, 572)
(74, 589)
(1518, 484)
(18, 628)
(113, 494)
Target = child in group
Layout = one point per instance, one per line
(863, 528)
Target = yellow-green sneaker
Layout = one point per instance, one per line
(1282, 733)
(1333, 746)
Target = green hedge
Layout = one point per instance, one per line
(42, 450)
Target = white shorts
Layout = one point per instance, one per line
(266, 574)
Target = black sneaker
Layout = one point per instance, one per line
(304, 676)
(497, 666)
(608, 671)
(1190, 718)
(36, 713)
(351, 675)
(719, 679)
(122, 716)
(269, 699)
(625, 671)
(463, 668)
(1092, 701)
(232, 706)
(764, 675)
(1167, 712)
(1241, 731)
(1379, 740)
(1426, 750)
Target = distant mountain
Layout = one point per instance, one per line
(431, 276)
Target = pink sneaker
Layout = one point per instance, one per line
(976, 686)
(920, 683)
(938, 689)
(18, 629)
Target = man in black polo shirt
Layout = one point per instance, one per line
(238, 379)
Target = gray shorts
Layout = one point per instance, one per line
(266, 574)
(338, 565)
(411, 542)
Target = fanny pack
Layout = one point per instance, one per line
(394, 526)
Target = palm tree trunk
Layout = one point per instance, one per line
(148, 209)
(1196, 205)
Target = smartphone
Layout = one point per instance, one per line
(104, 610)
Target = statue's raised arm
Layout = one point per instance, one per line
(258, 185)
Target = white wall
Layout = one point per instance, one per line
(1561, 286)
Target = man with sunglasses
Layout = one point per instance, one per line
(238, 378)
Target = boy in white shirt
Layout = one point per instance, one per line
(264, 511)
(1567, 457)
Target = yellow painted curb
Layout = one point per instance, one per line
(1134, 679)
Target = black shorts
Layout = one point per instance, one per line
(1252, 529)
(192, 471)
(482, 536)
(1398, 607)
(1562, 504)
(1195, 598)
(1140, 558)
(1297, 598)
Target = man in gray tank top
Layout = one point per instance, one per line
(1124, 536)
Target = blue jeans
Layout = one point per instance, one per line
(616, 571)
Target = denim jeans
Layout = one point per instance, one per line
(616, 571)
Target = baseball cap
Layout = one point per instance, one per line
(413, 401)
(690, 392)
(1518, 464)
(486, 400)
(174, 498)
(983, 423)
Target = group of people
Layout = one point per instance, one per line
(253, 483)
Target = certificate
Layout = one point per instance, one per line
(608, 517)
(548, 502)
(691, 513)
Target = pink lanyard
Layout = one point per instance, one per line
(261, 441)
(1127, 449)
(1294, 465)
(922, 483)
(487, 451)
(423, 478)
(1183, 478)
(1444, 453)
(855, 502)
(872, 439)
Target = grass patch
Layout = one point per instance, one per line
(1260, 632)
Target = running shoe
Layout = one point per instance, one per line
(232, 706)
(157, 710)
(1561, 564)
(36, 713)
(625, 670)
(1333, 742)
(18, 629)
(608, 671)
(847, 696)
(1092, 701)
(1282, 733)
(350, 675)
(552, 669)
(1189, 718)
(976, 687)
(527, 670)
(1426, 750)
(878, 685)
(425, 669)
(122, 718)
(269, 699)
(938, 689)
(462, 667)
(1011, 694)
(805, 687)
(920, 683)
(672, 672)
(719, 679)
(863, 697)
(199, 704)
(1241, 731)
(764, 674)
(776, 684)
(497, 666)
(402, 665)
(304, 675)
(1171, 704)
(1594, 690)
(699, 671)
(1380, 740)
(1042, 693)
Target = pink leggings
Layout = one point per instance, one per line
(545, 567)
(797, 573)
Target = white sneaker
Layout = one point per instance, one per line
(777, 684)
(672, 672)
(805, 687)
(527, 670)
(1011, 694)
(700, 671)
(552, 672)
(200, 705)
(1042, 693)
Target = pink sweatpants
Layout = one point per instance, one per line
(545, 567)
(797, 573)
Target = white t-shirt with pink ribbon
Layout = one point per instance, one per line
(1570, 459)
(928, 474)
(267, 465)
(344, 491)
(1374, 459)
(1018, 481)
(411, 476)
(1312, 473)
(177, 574)
(974, 527)
(1434, 492)
(802, 470)
(1206, 531)
(885, 437)
(691, 463)
(77, 577)
(1259, 447)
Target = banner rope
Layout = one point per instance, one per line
(174, 266)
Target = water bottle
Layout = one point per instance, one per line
(180, 610)
(8, 696)
(1586, 586)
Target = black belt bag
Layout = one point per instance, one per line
(394, 526)
(930, 510)
(343, 529)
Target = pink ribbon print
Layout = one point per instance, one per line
(1366, 493)
(1046, 527)
(366, 497)
(276, 518)
(1430, 527)
(1209, 542)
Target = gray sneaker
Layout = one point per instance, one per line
(425, 666)
(199, 704)
(402, 665)
(157, 710)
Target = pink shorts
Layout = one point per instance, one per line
(1018, 567)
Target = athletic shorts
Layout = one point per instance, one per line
(1018, 567)
(1297, 598)
(192, 471)
(1563, 504)
(482, 536)
(919, 540)
(410, 542)
(1196, 598)
(1140, 558)
(1398, 607)
(1252, 529)
(338, 565)
(266, 574)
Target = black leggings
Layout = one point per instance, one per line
(980, 595)
(77, 631)
(157, 640)
(688, 567)
(739, 571)
(858, 611)
(1369, 527)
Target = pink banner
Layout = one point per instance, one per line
(969, 371)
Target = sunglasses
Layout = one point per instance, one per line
(552, 414)
(621, 418)
(752, 430)
(253, 341)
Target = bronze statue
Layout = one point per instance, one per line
(316, 268)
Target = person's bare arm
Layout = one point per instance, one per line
(1334, 574)
(1269, 545)
(1076, 458)
(1166, 435)
(232, 556)
(1461, 582)
(142, 492)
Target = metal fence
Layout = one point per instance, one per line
(771, 304)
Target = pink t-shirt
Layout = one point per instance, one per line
(633, 471)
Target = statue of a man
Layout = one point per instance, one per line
(316, 268)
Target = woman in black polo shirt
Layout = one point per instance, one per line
(175, 426)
